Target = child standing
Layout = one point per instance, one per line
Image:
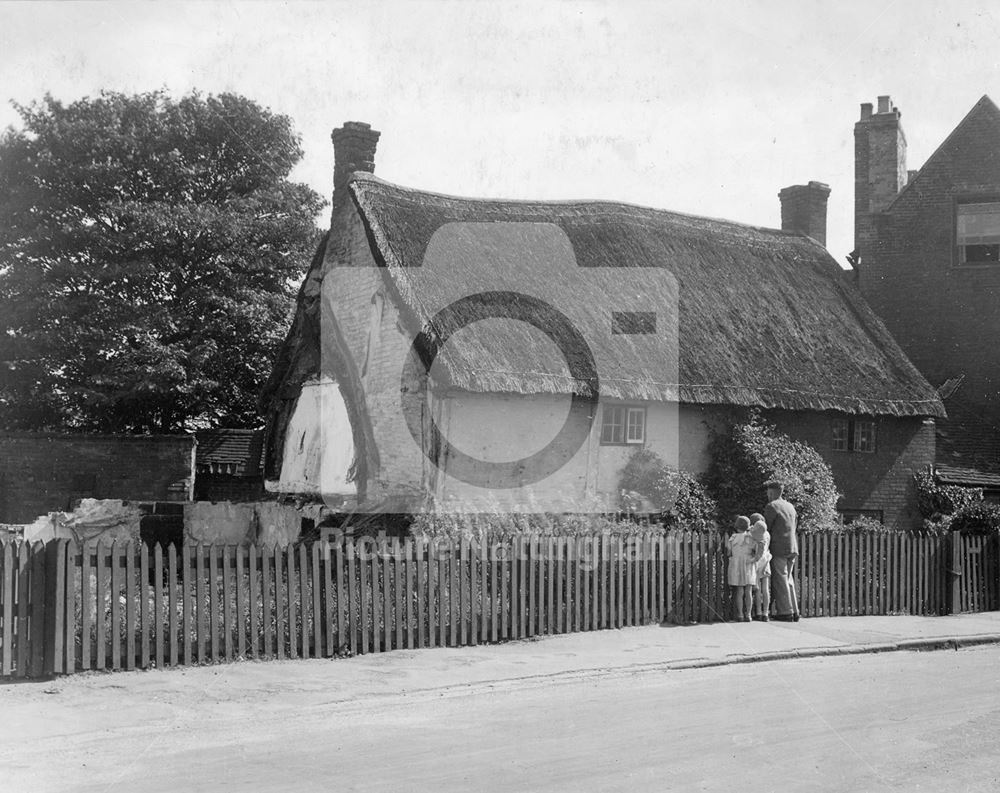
(742, 568)
(762, 554)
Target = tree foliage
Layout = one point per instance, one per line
(748, 453)
(148, 248)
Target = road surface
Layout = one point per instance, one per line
(896, 721)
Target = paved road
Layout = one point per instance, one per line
(899, 721)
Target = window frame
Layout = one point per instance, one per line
(621, 416)
(958, 249)
(854, 441)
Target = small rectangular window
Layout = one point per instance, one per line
(978, 233)
(633, 323)
(840, 435)
(636, 430)
(852, 435)
(613, 424)
(864, 436)
(623, 424)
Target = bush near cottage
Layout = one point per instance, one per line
(864, 525)
(976, 519)
(935, 501)
(749, 452)
(496, 527)
(680, 497)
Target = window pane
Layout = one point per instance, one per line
(978, 224)
(613, 425)
(980, 254)
(864, 436)
(636, 425)
(839, 439)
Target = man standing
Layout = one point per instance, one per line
(781, 521)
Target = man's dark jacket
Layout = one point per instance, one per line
(781, 520)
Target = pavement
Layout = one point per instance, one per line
(627, 651)
(547, 660)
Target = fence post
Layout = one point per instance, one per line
(955, 569)
(54, 583)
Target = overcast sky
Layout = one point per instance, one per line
(701, 107)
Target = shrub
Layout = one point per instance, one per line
(678, 496)
(746, 454)
(935, 500)
(977, 519)
(499, 526)
(864, 523)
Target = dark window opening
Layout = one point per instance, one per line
(980, 254)
(633, 323)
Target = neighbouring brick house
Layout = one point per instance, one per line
(687, 318)
(44, 472)
(928, 244)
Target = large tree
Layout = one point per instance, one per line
(148, 248)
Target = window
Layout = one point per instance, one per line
(853, 435)
(864, 436)
(623, 425)
(633, 323)
(978, 233)
(841, 433)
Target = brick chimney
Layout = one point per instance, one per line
(879, 166)
(353, 150)
(803, 209)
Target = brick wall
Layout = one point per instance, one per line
(220, 487)
(882, 480)
(44, 472)
(943, 314)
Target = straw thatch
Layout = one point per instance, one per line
(764, 317)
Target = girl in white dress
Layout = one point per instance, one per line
(742, 568)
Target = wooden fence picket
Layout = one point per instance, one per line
(173, 606)
(318, 613)
(68, 606)
(130, 611)
(240, 572)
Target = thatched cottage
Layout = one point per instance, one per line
(512, 354)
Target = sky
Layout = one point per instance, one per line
(701, 107)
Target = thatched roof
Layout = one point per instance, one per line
(765, 318)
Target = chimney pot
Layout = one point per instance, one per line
(803, 209)
(353, 150)
(866, 111)
(879, 169)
